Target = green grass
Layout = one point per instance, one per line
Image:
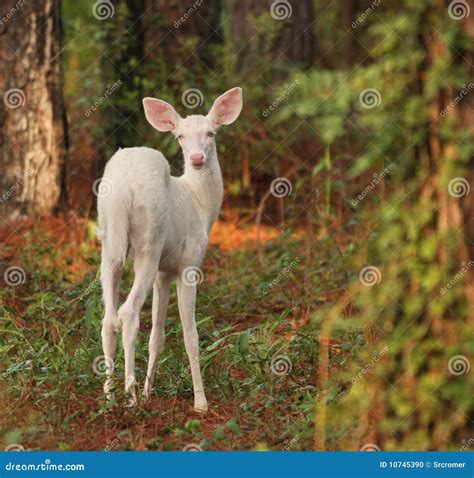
(296, 352)
(53, 399)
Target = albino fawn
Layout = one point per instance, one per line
(164, 221)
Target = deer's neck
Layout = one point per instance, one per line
(207, 189)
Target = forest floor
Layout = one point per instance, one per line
(259, 344)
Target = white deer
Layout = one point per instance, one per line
(164, 221)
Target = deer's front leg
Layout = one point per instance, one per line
(161, 295)
(187, 305)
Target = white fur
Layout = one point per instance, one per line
(164, 222)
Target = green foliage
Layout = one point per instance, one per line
(332, 128)
(420, 326)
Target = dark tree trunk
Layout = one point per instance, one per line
(466, 123)
(244, 35)
(350, 9)
(295, 42)
(181, 20)
(32, 118)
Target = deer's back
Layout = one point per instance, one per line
(138, 180)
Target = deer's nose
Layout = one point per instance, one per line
(197, 159)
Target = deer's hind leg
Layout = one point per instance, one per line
(111, 273)
(145, 267)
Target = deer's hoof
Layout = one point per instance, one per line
(109, 396)
(131, 402)
(108, 391)
(146, 393)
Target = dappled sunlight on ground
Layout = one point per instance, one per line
(59, 231)
(230, 236)
(69, 238)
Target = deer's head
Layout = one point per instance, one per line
(195, 133)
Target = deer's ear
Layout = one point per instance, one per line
(226, 109)
(160, 115)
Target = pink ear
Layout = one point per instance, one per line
(226, 109)
(160, 115)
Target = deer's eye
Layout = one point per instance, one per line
(180, 136)
(210, 134)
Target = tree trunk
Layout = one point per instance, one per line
(297, 41)
(455, 210)
(349, 13)
(32, 119)
(290, 44)
(466, 120)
